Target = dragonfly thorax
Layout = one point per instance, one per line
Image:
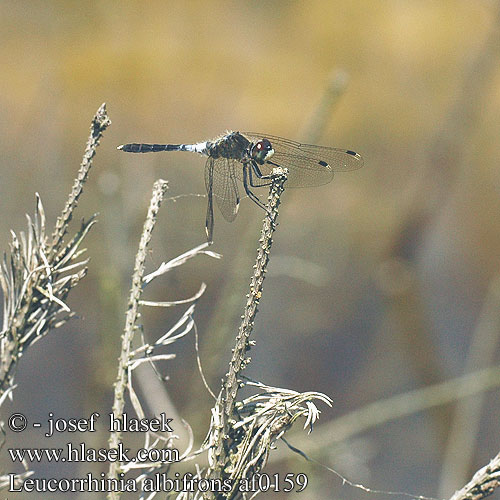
(232, 146)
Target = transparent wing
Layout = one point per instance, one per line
(302, 171)
(309, 165)
(220, 178)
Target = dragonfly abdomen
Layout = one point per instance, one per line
(150, 148)
(200, 147)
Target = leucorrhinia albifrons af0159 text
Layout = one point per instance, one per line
(251, 158)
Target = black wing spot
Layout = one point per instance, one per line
(323, 163)
(352, 153)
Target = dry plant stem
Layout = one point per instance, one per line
(239, 361)
(99, 124)
(226, 401)
(42, 270)
(159, 189)
(483, 484)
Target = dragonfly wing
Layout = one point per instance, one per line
(220, 181)
(302, 170)
(339, 160)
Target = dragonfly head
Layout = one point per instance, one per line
(261, 151)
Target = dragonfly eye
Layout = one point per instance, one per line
(262, 151)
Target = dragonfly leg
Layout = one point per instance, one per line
(209, 221)
(247, 178)
(256, 170)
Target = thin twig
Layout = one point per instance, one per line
(99, 124)
(159, 189)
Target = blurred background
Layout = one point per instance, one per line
(380, 283)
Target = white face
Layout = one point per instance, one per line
(269, 153)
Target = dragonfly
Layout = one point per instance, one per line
(250, 158)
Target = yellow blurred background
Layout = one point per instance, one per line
(378, 283)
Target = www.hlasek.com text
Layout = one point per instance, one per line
(82, 453)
